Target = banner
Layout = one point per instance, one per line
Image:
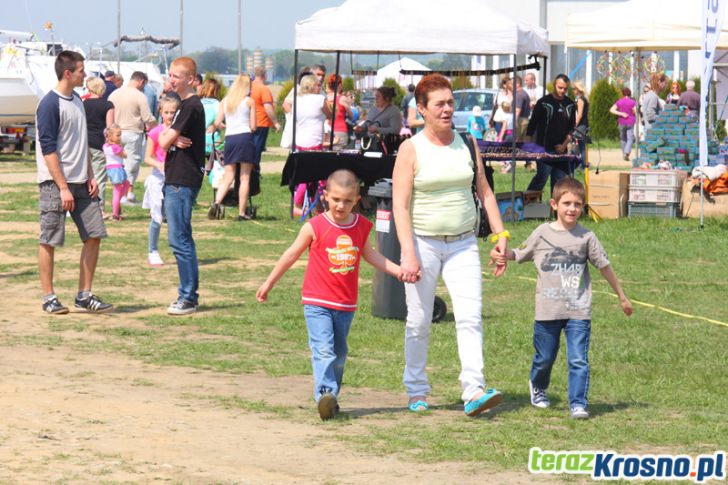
(712, 18)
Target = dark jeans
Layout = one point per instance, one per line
(557, 171)
(260, 135)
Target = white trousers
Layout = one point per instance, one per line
(459, 264)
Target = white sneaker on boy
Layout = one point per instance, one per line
(539, 398)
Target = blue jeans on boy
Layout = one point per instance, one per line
(328, 330)
(546, 338)
(178, 203)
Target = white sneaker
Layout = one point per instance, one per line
(130, 197)
(579, 412)
(154, 259)
(539, 398)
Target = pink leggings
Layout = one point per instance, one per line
(120, 191)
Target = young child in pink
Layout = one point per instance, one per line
(336, 241)
(115, 156)
(153, 185)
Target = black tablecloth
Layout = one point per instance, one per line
(305, 167)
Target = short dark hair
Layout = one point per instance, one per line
(568, 185)
(139, 76)
(66, 61)
(563, 77)
(626, 92)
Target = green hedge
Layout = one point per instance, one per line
(602, 123)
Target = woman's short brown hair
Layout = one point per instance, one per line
(429, 83)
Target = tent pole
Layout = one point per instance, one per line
(295, 98)
(543, 76)
(336, 92)
(637, 94)
(514, 132)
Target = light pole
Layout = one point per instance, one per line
(240, 41)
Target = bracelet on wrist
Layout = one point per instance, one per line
(501, 235)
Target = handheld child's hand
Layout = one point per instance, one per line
(626, 306)
(500, 260)
(122, 154)
(262, 294)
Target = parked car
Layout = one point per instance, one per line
(465, 99)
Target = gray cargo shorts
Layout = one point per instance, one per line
(86, 214)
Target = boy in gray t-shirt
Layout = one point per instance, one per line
(560, 250)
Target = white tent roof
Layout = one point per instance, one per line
(391, 70)
(415, 26)
(640, 25)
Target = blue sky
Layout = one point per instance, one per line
(268, 24)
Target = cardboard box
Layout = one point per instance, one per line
(715, 205)
(608, 193)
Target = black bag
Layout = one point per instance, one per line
(482, 223)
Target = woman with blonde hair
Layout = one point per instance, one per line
(238, 111)
(582, 117)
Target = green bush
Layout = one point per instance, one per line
(398, 91)
(461, 82)
(285, 89)
(602, 123)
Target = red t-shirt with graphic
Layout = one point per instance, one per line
(332, 274)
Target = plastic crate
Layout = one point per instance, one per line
(654, 194)
(637, 209)
(657, 178)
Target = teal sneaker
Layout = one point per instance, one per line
(489, 400)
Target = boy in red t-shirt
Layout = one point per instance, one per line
(336, 241)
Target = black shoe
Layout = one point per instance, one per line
(327, 406)
(244, 217)
(93, 304)
(181, 307)
(54, 307)
(215, 212)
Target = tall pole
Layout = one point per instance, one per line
(118, 36)
(181, 26)
(240, 39)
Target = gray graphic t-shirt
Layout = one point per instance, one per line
(563, 290)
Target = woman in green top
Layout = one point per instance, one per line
(434, 212)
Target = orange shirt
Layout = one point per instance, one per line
(260, 93)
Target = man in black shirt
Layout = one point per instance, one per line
(552, 120)
(183, 172)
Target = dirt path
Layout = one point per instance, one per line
(75, 415)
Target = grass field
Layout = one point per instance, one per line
(659, 378)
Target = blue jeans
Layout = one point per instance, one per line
(557, 171)
(178, 202)
(327, 333)
(260, 135)
(546, 337)
(154, 229)
(626, 137)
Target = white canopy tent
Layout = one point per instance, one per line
(636, 25)
(392, 71)
(414, 27)
(642, 25)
